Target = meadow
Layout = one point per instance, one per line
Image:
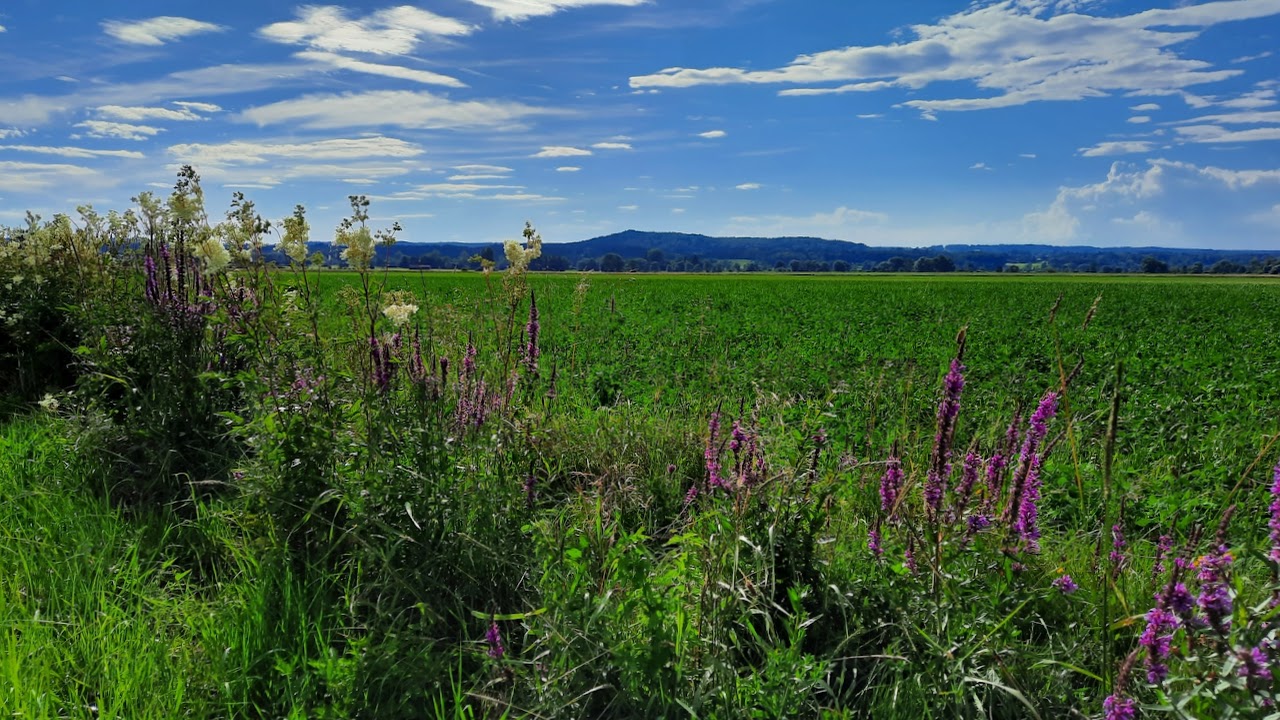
(236, 490)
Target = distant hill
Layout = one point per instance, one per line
(636, 250)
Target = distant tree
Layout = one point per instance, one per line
(840, 266)
(636, 265)
(1152, 264)
(657, 260)
(611, 262)
(796, 266)
(588, 265)
(552, 263)
(1227, 267)
(487, 253)
(944, 263)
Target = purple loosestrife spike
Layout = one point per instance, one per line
(909, 556)
(1065, 584)
(891, 487)
(532, 350)
(1274, 524)
(1156, 639)
(690, 496)
(948, 409)
(1037, 428)
(1215, 598)
(712, 452)
(1118, 707)
(493, 638)
(968, 478)
(1118, 544)
(874, 543)
(1029, 510)
(1162, 552)
(153, 289)
(1255, 664)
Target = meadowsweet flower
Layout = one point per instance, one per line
(493, 638)
(399, 313)
(213, 254)
(49, 403)
(296, 233)
(1065, 584)
(359, 246)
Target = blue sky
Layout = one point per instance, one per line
(1096, 122)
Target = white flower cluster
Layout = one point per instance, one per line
(519, 256)
(399, 313)
(359, 246)
(213, 253)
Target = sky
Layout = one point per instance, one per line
(930, 122)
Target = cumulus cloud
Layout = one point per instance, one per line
(713, 134)
(557, 151)
(392, 31)
(524, 9)
(1117, 147)
(157, 30)
(1014, 52)
(401, 108)
(120, 131)
(342, 62)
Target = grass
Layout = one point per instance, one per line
(333, 531)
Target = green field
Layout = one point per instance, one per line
(258, 496)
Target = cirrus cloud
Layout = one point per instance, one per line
(157, 30)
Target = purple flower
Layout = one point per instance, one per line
(530, 489)
(948, 409)
(1255, 664)
(1181, 602)
(1215, 598)
(1037, 428)
(712, 452)
(1118, 545)
(1065, 584)
(891, 486)
(493, 638)
(968, 478)
(873, 543)
(532, 351)
(1274, 523)
(1156, 638)
(1162, 552)
(935, 487)
(1027, 523)
(1118, 707)
(690, 496)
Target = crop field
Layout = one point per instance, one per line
(251, 491)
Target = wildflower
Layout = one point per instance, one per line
(1180, 601)
(1118, 545)
(1118, 707)
(1036, 431)
(968, 478)
(531, 330)
(399, 313)
(1274, 523)
(215, 255)
(1215, 598)
(873, 542)
(712, 452)
(296, 231)
(891, 486)
(948, 409)
(1026, 525)
(1162, 551)
(1156, 638)
(1255, 664)
(530, 489)
(493, 637)
(690, 496)
(359, 244)
(49, 403)
(1065, 584)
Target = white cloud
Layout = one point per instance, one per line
(1139, 120)
(612, 146)
(468, 178)
(6, 133)
(628, 208)
(843, 223)
(557, 151)
(136, 114)
(1145, 107)
(568, 169)
(1118, 147)
(490, 169)
(524, 9)
(402, 108)
(1219, 134)
(853, 87)
(979, 166)
(122, 131)
(1251, 58)
(392, 31)
(73, 152)
(870, 116)
(198, 106)
(31, 109)
(677, 211)
(243, 152)
(399, 72)
(23, 177)
(749, 186)
(1013, 52)
(1028, 156)
(713, 134)
(1271, 117)
(1232, 179)
(157, 30)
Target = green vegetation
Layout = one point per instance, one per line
(253, 491)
